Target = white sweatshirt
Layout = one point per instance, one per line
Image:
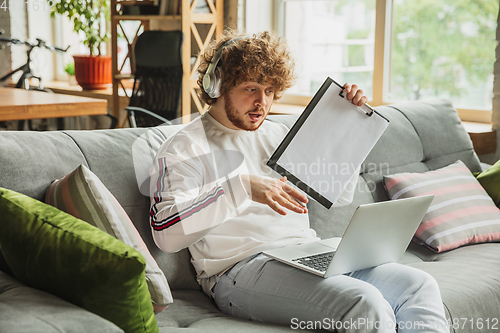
(198, 199)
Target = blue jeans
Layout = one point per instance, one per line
(378, 299)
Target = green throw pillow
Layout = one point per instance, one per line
(490, 181)
(53, 251)
(3, 265)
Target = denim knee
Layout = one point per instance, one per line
(368, 302)
(420, 282)
(370, 312)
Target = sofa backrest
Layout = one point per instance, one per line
(30, 161)
(421, 136)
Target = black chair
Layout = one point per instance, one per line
(158, 73)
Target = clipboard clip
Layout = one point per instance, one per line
(369, 114)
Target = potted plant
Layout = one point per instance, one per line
(89, 17)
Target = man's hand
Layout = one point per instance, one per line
(355, 95)
(277, 194)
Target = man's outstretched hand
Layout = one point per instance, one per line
(275, 193)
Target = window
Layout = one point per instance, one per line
(396, 50)
(448, 51)
(333, 38)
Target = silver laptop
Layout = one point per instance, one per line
(378, 233)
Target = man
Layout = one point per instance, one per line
(212, 192)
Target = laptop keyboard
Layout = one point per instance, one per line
(318, 262)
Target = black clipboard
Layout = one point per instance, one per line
(331, 132)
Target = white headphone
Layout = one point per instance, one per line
(211, 80)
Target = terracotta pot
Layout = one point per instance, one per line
(93, 72)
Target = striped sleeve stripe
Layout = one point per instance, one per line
(187, 212)
(162, 171)
(159, 225)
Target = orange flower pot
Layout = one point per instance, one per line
(93, 72)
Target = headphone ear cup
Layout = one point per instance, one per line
(217, 84)
(207, 83)
(212, 82)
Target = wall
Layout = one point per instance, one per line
(495, 118)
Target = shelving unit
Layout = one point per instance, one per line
(199, 29)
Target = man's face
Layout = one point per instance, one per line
(248, 104)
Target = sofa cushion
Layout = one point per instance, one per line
(24, 309)
(469, 284)
(55, 252)
(195, 311)
(408, 145)
(461, 212)
(31, 160)
(84, 196)
(121, 159)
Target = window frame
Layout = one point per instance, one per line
(382, 55)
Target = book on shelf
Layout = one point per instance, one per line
(170, 7)
(163, 7)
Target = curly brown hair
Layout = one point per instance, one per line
(262, 58)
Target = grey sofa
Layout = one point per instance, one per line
(422, 136)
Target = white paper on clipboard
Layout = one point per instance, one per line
(327, 144)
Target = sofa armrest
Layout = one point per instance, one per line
(24, 309)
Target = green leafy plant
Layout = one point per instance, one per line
(455, 45)
(70, 68)
(89, 17)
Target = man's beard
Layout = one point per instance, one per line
(238, 120)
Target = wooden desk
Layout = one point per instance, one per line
(63, 87)
(20, 104)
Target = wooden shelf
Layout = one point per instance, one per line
(146, 17)
(136, 2)
(124, 76)
(63, 87)
(189, 22)
(483, 137)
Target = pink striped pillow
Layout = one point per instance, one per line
(84, 196)
(461, 212)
